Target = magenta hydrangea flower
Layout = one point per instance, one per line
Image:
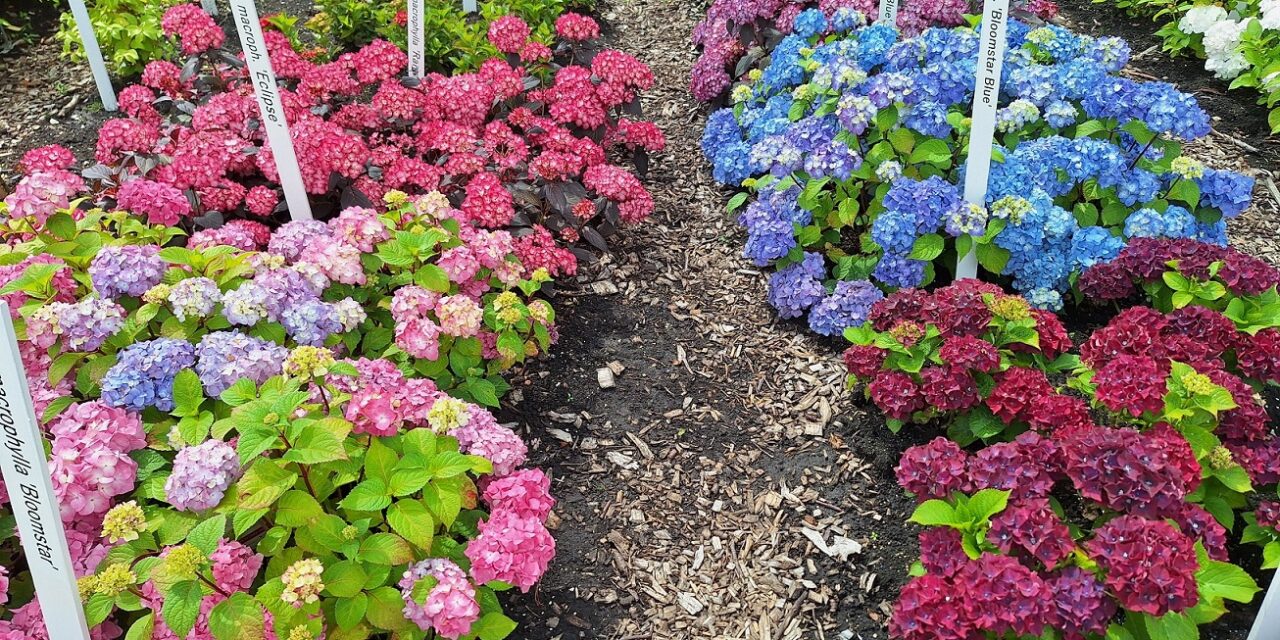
(512, 549)
(450, 607)
(526, 493)
(195, 30)
(1025, 467)
(4, 585)
(372, 410)
(201, 475)
(1127, 471)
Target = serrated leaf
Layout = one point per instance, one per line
(935, 513)
(412, 520)
(370, 495)
(206, 535)
(238, 617)
(344, 579)
(182, 607)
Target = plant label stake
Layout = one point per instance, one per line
(888, 12)
(986, 98)
(1267, 625)
(417, 54)
(26, 475)
(94, 53)
(210, 6)
(271, 108)
(469, 6)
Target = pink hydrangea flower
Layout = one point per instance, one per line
(527, 493)
(195, 30)
(577, 27)
(460, 316)
(419, 337)
(160, 203)
(512, 549)
(235, 566)
(450, 607)
(508, 34)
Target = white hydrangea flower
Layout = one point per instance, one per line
(1226, 67)
(1222, 39)
(1270, 14)
(1199, 19)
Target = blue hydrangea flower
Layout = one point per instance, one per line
(143, 374)
(810, 23)
(795, 288)
(722, 130)
(1060, 114)
(1227, 191)
(899, 271)
(847, 306)
(1144, 223)
(873, 44)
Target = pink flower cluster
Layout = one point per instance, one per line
(195, 29)
(47, 185)
(90, 460)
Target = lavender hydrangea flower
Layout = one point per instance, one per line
(792, 290)
(201, 475)
(311, 322)
(194, 298)
(224, 357)
(127, 270)
(87, 324)
(291, 239)
(245, 305)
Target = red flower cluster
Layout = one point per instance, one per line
(1145, 260)
(1131, 384)
(1017, 390)
(993, 594)
(502, 143)
(1132, 472)
(934, 470)
(1150, 565)
(1031, 526)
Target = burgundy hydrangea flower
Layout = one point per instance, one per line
(1200, 524)
(1001, 595)
(1179, 451)
(959, 309)
(970, 353)
(1017, 390)
(896, 394)
(1106, 281)
(1267, 513)
(941, 552)
(863, 361)
(928, 609)
(1247, 275)
(1150, 565)
(1054, 340)
(1131, 384)
(933, 470)
(949, 388)
(1060, 415)
(1126, 471)
(1081, 604)
(1205, 325)
(1260, 459)
(1033, 527)
(1249, 420)
(1259, 356)
(1025, 467)
(1135, 331)
(903, 304)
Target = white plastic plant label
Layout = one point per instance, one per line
(210, 6)
(992, 34)
(1267, 625)
(94, 54)
(417, 52)
(888, 12)
(469, 6)
(270, 106)
(30, 488)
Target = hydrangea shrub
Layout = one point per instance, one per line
(852, 144)
(527, 143)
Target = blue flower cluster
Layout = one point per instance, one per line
(1082, 167)
(144, 372)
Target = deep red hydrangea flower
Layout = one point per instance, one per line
(1126, 471)
(1259, 356)
(1054, 340)
(928, 609)
(941, 551)
(509, 34)
(1247, 275)
(1025, 467)
(1249, 420)
(488, 203)
(1001, 596)
(949, 388)
(1131, 384)
(959, 309)
(1017, 390)
(1260, 459)
(1080, 604)
(1107, 282)
(933, 470)
(1135, 331)
(1150, 565)
(1031, 526)
(897, 394)
(1060, 415)
(862, 361)
(1179, 453)
(970, 353)
(615, 66)
(1267, 514)
(1204, 325)
(538, 250)
(899, 306)
(1200, 524)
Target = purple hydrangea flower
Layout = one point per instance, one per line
(291, 239)
(794, 289)
(143, 374)
(846, 307)
(127, 270)
(223, 357)
(311, 322)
